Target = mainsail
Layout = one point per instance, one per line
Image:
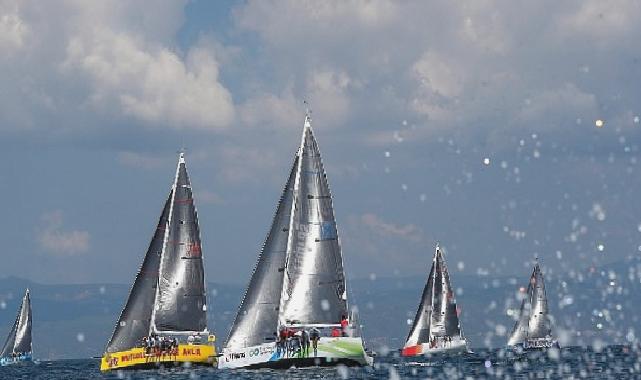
(314, 281)
(19, 339)
(533, 322)
(135, 318)
(257, 318)
(180, 303)
(437, 315)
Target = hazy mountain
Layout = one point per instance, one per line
(596, 306)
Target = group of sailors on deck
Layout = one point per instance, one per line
(443, 341)
(292, 342)
(155, 345)
(296, 342)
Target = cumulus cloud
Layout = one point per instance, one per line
(482, 67)
(603, 21)
(13, 30)
(105, 62)
(377, 225)
(209, 197)
(328, 90)
(566, 100)
(315, 21)
(55, 239)
(152, 84)
(440, 75)
(143, 161)
(248, 164)
(271, 110)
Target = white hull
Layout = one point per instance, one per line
(14, 360)
(536, 344)
(455, 346)
(331, 351)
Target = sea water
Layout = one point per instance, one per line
(614, 362)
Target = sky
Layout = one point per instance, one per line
(503, 130)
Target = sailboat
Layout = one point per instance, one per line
(298, 284)
(164, 321)
(532, 329)
(17, 347)
(436, 326)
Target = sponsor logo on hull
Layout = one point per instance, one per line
(138, 357)
(13, 360)
(539, 343)
(328, 349)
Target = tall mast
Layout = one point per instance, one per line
(435, 264)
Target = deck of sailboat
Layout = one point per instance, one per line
(308, 362)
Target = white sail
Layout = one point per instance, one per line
(314, 282)
(180, 302)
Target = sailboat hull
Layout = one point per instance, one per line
(331, 351)
(535, 344)
(15, 360)
(455, 346)
(136, 358)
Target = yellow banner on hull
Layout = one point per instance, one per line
(203, 354)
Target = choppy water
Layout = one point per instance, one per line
(616, 362)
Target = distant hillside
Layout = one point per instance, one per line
(594, 307)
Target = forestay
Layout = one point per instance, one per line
(134, 321)
(420, 331)
(257, 318)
